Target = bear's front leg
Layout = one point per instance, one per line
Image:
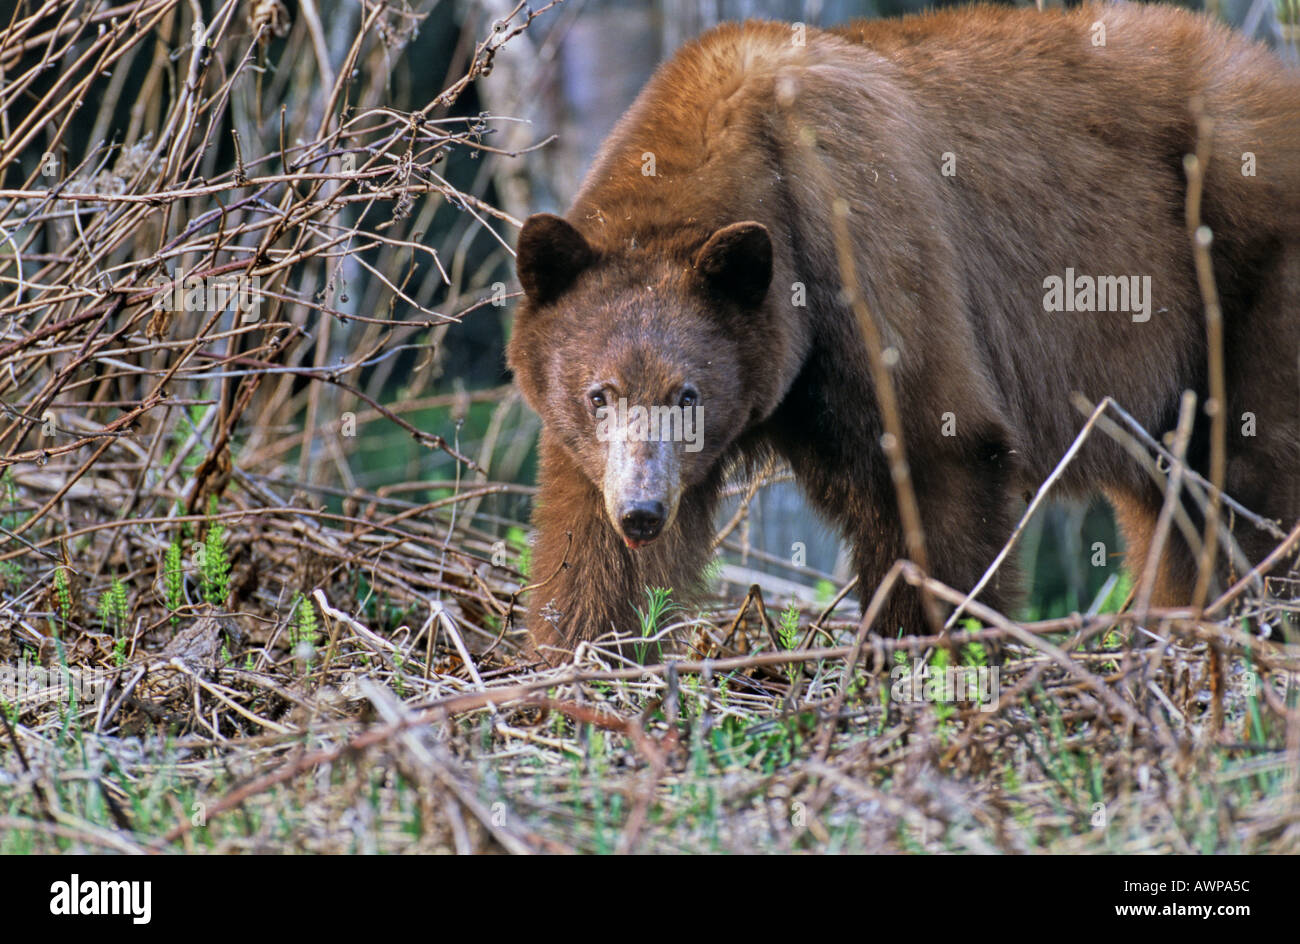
(586, 580)
(580, 577)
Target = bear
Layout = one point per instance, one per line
(1015, 194)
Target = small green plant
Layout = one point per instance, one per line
(9, 496)
(11, 571)
(1112, 640)
(113, 608)
(974, 653)
(62, 597)
(173, 580)
(69, 706)
(943, 710)
(399, 679)
(787, 632)
(659, 603)
(302, 624)
(788, 628)
(214, 576)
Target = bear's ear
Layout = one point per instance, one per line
(736, 262)
(549, 256)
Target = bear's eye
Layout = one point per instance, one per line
(690, 396)
(596, 397)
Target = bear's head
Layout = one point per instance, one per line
(643, 361)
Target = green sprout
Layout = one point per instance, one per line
(787, 632)
(113, 608)
(173, 580)
(659, 604)
(62, 596)
(214, 567)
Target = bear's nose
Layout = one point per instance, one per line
(641, 521)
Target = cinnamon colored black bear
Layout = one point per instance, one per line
(1016, 192)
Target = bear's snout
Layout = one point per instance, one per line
(642, 485)
(642, 521)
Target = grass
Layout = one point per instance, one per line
(700, 763)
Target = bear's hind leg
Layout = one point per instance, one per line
(1175, 575)
(1263, 423)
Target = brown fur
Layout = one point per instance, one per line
(1068, 155)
